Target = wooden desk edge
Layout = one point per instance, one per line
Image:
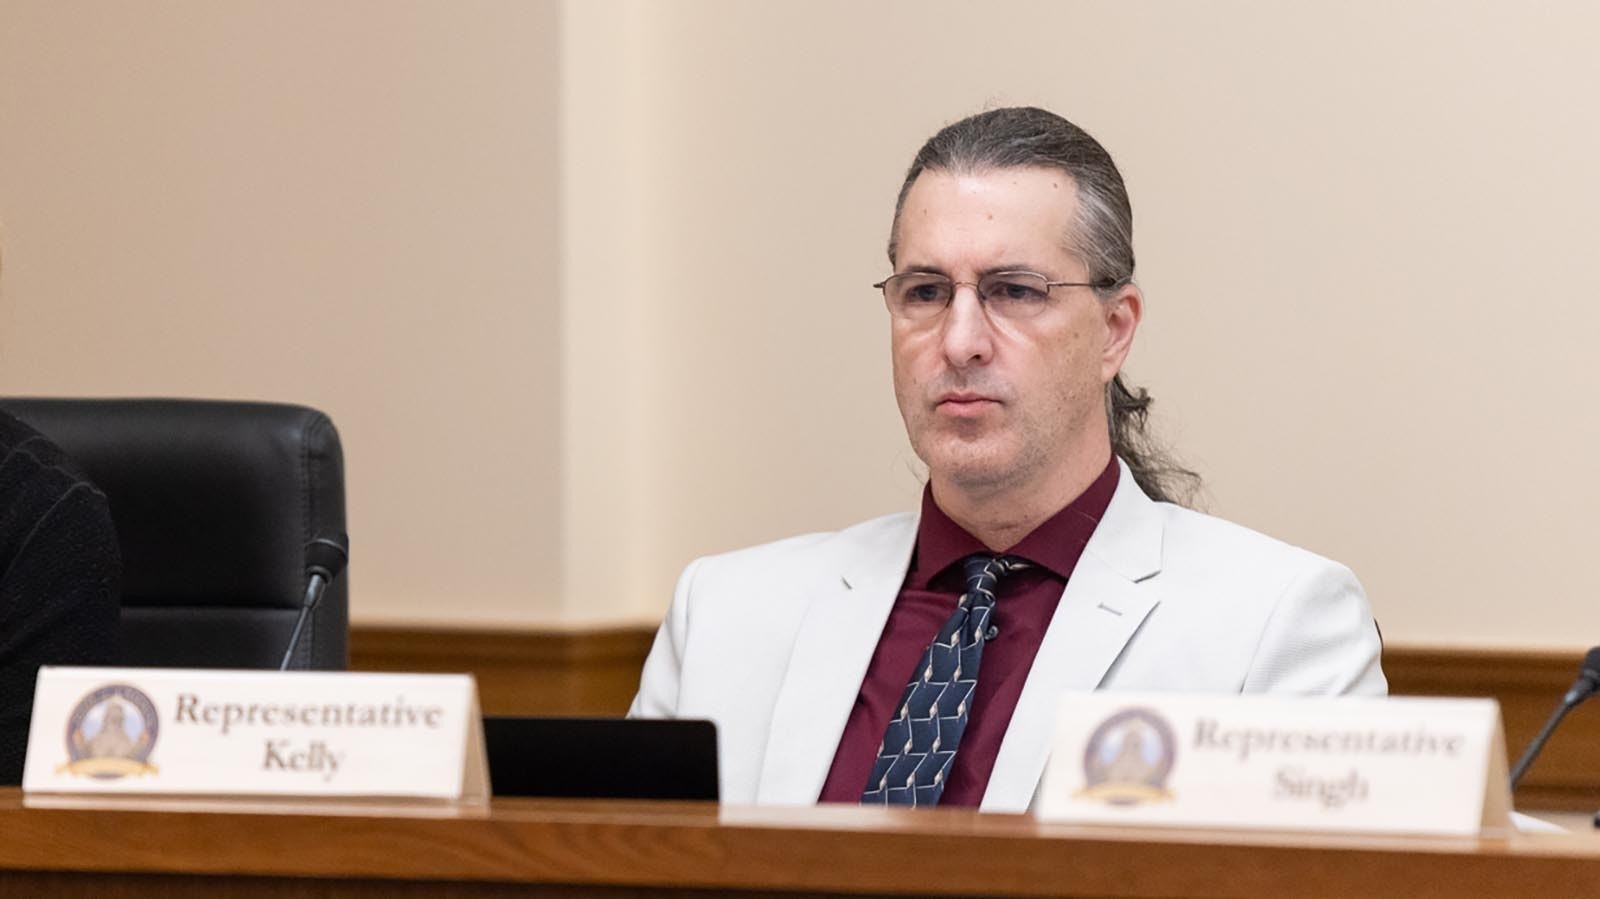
(844, 850)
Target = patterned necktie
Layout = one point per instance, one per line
(921, 740)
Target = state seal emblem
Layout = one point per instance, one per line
(111, 732)
(1129, 758)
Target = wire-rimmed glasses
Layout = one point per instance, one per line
(920, 296)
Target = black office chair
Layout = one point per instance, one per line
(219, 509)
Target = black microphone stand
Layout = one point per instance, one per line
(1587, 683)
(325, 559)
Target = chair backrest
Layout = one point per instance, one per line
(214, 503)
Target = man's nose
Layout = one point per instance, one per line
(968, 337)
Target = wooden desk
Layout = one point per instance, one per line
(546, 848)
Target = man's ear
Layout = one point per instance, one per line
(1122, 312)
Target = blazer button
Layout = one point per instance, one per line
(992, 632)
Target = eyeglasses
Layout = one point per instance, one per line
(920, 296)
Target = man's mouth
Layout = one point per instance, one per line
(964, 403)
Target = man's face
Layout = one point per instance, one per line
(995, 405)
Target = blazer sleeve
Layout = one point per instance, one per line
(663, 667)
(1320, 638)
(58, 606)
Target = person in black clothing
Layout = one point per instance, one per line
(60, 575)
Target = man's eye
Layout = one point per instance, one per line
(1016, 292)
(925, 293)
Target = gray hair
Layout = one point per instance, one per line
(1102, 236)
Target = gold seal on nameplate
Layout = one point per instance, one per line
(1129, 758)
(110, 734)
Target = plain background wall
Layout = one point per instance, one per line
(349, 205)
(585, 284)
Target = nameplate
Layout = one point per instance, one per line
(1397, 765)
(256, 733)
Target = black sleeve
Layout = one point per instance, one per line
(58, 606)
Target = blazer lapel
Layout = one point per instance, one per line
(1100, 610)
(831, 652)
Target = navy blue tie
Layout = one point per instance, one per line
(921, 741)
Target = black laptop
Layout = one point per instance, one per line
(601, 758)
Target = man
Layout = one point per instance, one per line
(60, 573)
(918, 659)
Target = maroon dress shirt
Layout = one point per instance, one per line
(1026, 601)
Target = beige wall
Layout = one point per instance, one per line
(350, 205)
(622, 249)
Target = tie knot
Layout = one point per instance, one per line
(983, 570)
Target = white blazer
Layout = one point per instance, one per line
(772, 642)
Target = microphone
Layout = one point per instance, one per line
(325, 559)
(1584, 687)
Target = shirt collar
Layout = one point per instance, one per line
(1055, 545)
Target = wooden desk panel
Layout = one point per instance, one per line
(551, 848)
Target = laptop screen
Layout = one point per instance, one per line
(601, 758)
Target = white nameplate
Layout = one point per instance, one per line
(1398, 765)
(254, 733)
